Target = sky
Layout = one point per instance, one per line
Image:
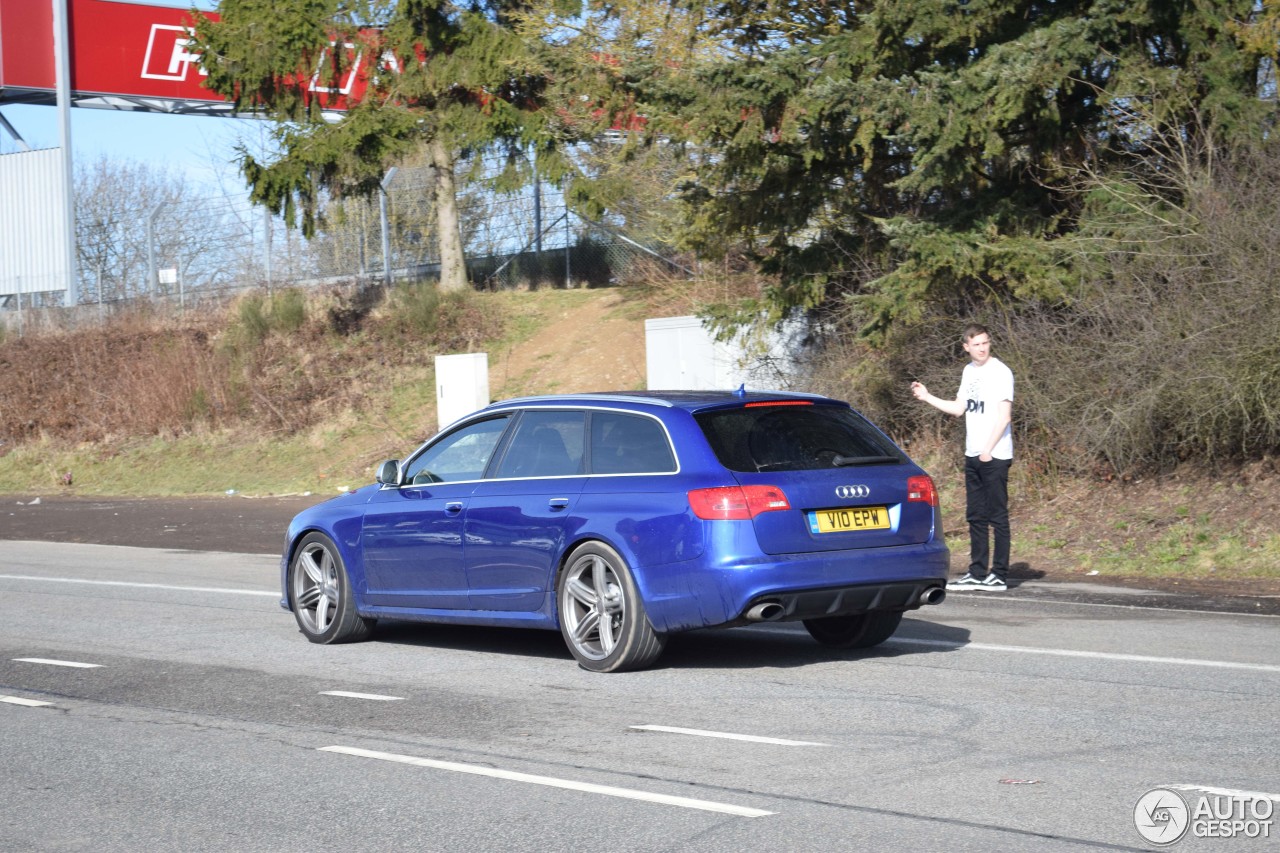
(201, 147)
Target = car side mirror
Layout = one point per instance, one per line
(389, 473)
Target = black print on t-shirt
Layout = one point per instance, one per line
(978, 406)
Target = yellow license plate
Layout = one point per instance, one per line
(849, 518)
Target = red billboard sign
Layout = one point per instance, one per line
(130, 55)
(117, 48)
(26, 28)
(122, 50)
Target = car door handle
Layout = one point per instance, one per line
(558, 503)
(453, 507)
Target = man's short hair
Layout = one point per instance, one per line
(972, 330)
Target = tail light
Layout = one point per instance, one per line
(920, 490)
(736, 502)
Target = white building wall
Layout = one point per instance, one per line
(33, 249)
(682, 354)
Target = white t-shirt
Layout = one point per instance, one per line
(981, 390)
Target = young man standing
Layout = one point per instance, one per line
(985, 399)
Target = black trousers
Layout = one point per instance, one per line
(986, 491)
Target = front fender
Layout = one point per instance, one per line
(342, 520)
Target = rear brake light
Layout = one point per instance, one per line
(736, 502)
(920, 490)
(759, 403)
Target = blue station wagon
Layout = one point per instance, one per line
(621, 518)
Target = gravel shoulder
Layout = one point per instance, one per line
(257, 525)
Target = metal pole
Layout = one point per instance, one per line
(360, 265)
(568, 279)
(266, 242)
(153, 282)
(537, 214)
(386, 230)
(62, 61)
(17, 137)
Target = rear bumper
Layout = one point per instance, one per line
(701, 594)
(816, 603)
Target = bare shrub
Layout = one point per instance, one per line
(270, 362)
(1173, 356)
(877, 379)
(732, 285)
(1167, 354)
(419, 318)
(128, 378)
(257, 314)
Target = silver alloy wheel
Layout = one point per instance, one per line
(316, 587)
(593, 607)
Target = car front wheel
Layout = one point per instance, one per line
(601, 615)
(320, 593)
(854, 630)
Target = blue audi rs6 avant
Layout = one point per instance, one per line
(619, 519)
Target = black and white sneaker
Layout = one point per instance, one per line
(991, 583)
(965, 581)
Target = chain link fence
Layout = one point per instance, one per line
(184, 249)
(521, 239)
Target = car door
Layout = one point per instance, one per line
(516, 520)
(414, 548)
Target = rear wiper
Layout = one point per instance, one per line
(844, 461)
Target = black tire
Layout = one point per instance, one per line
(320, 594)
(601, 616)
(855, 630)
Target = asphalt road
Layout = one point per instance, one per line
(257, 525)
(232, 523)
(196, 717)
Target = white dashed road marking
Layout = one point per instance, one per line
(27, 703)
(1225, 792)
(51, 662)
(587, 787)
(1073, 653)
(727, 736)
(217, 589)
(349, 695)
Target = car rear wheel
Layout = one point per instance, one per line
(320, 593)
(854, 630)
(601, 615)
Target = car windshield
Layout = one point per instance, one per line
(789, 437)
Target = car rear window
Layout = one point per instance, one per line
(788, 437)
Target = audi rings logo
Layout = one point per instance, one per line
(847, 492)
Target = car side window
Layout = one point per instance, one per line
(461, 455)
(545, 444)
(629, 444)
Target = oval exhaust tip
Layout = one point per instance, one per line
(766, 611)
